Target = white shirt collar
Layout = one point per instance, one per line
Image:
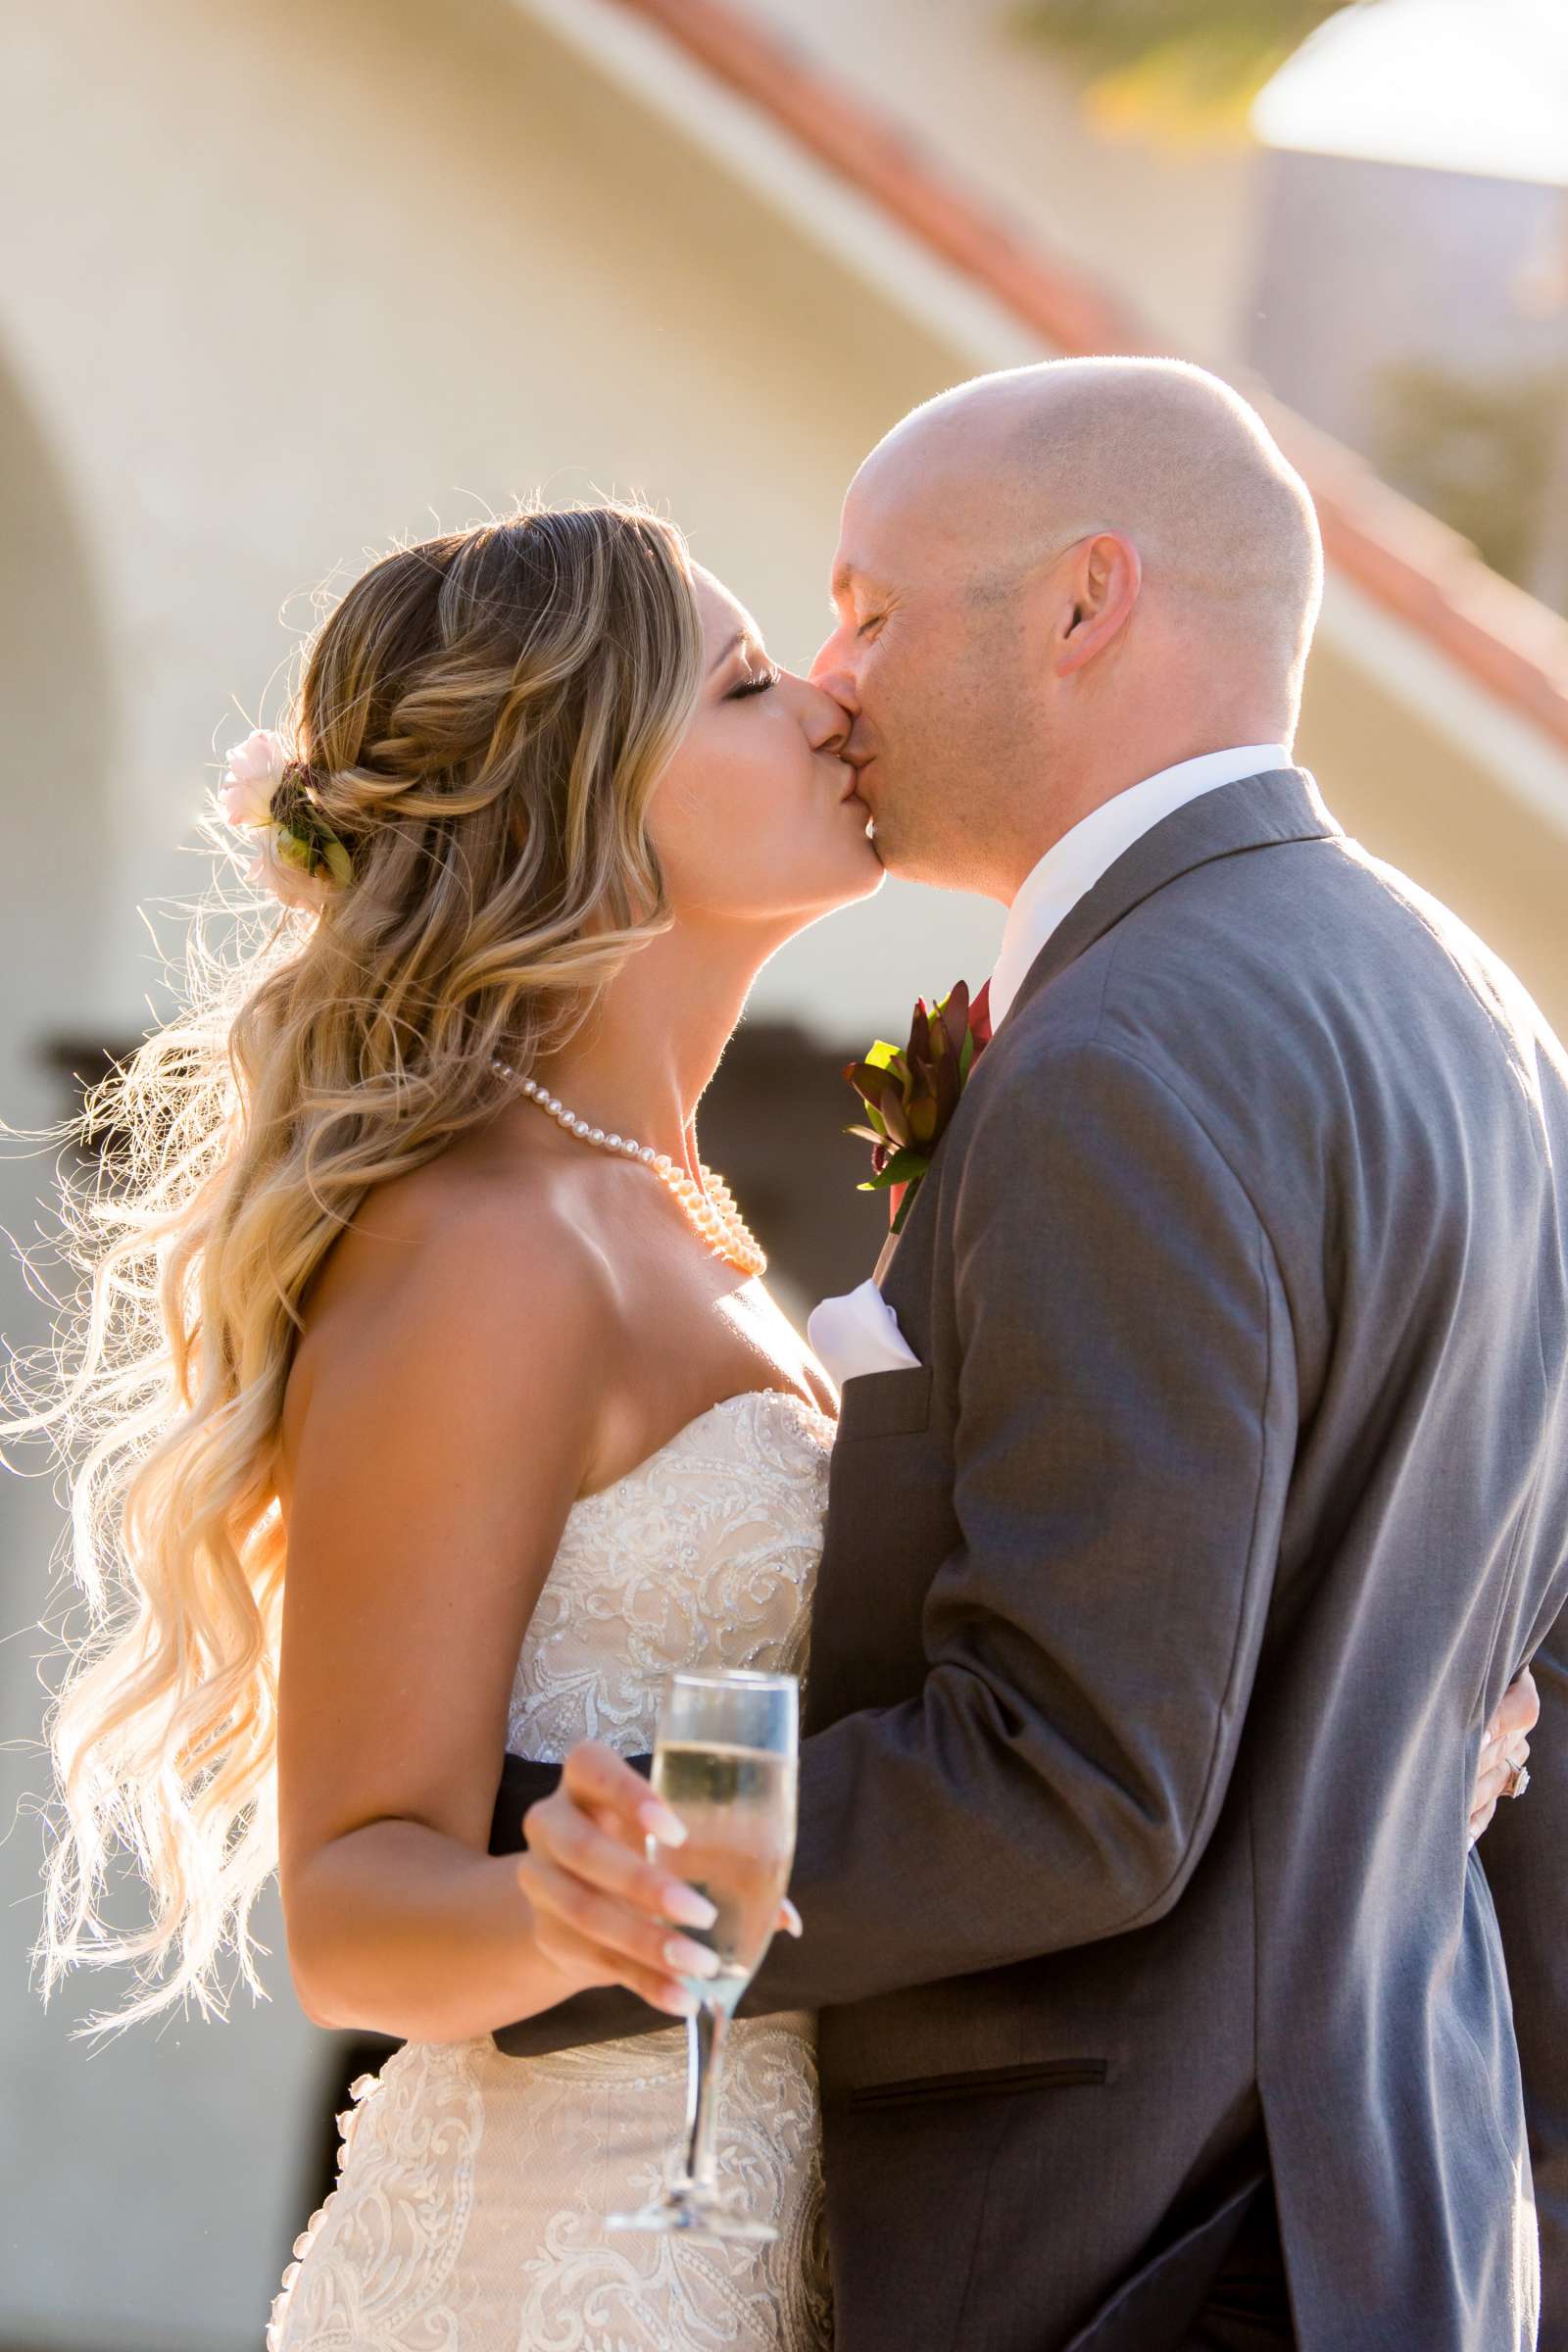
(1071, 867)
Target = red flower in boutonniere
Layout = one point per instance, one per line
(910, 1094)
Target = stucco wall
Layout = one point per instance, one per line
(1418, 794)
(1171, 227)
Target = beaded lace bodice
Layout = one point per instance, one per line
(704, 1555)
(469, 2215)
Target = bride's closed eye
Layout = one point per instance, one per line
(755, 685)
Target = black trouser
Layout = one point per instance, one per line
(1249, 2306)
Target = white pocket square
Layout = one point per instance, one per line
(858, 1333)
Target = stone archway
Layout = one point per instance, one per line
(57, 736)
(57, 731)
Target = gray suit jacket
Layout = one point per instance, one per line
(1160, 1617)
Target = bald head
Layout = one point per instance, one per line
(1051, 583)
(1004, 472)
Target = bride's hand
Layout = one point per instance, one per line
(603, 1913)
(1506, 1749)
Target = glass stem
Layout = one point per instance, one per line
(705, 2044)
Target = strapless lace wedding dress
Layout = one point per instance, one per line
(473, 2188)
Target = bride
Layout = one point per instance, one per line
(422, 1288)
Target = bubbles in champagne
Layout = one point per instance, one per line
(738, 1805)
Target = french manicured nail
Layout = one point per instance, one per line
(690, 1959)
(686, 1907)
(661, 1823)
(679, 2002)
(791, 1919)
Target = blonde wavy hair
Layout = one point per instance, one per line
(484, 715)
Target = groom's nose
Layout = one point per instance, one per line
(834, 672)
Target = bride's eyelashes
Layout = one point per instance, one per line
(753, 685)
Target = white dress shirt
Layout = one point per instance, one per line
(1071, 868)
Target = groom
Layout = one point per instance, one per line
(1169, 1589)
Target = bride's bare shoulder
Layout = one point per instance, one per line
(463, 1242)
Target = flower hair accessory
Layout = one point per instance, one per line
(301, 860)
(911, 1093)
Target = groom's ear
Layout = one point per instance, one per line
(1103, 582)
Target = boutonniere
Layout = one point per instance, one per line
(911, 1091)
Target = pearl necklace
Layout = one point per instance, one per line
(708, 1207)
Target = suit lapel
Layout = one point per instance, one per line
(1259, 813)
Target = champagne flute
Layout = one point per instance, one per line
(725, 1762)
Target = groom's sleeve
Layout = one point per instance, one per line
(1522, 1853)
(1125, 1428)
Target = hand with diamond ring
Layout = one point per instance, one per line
(1505, 1751)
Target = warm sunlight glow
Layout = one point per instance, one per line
(1459, 86)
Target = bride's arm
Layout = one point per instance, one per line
(587, 1816)
(447, 1417)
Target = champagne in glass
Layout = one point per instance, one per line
(738, 1805)
(725, 1763)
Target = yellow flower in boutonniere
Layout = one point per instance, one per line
(911, 1091)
